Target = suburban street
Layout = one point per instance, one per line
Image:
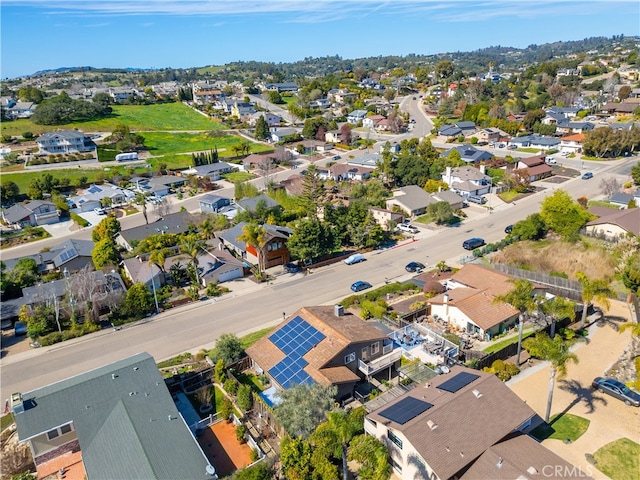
(250, 307)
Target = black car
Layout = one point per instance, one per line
(414, 267)
(472, 243)
(617, 389)
(508, 229)
(290, 267)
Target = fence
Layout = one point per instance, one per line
(557, 285)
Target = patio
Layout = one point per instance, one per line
(68, 467)
(418, 341)
(222, 448)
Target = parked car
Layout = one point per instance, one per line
(502, 145)
(99, 211)
(408, 228)
(483, 144)
(508, 229)
(472, 243)
(291, 267)
(20, 328)
(587, 175)
(477, 199)
(617, 389)
(414, 267)
(336, 157)
(359, 286)
(512, 147)
(355, 258)
(550, 160)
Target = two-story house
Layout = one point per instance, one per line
(64, 141)
(37, 212)
(271, 253)
(469, 153)
(535, 166)
(467, 180)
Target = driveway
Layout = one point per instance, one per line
(610, 418)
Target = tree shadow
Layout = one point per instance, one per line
(613, 321)
(584, 394)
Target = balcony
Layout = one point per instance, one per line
(369, 368)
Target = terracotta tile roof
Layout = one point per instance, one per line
(576, 137)
(480, 277)
(325, 362)
(459, 426)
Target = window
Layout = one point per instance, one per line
(349, 358)
(375, 348)
(394, 439)
(363, 354)
(51, 434)
(65, 429)
(56, 432)
(269, 248)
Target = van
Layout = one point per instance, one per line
(549, 160)
(477, 199)
(472, 243)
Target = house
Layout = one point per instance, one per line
(536, 167)
(452, 198)
(467, 180)
(411, 199)
(117, 421)
(273, 253)
(213, 171)
(242, 109)
(454, 425)
(294, 185)
(621, 199)
(64, 141)
(279, 134)
(210, 203)
(615, 225)
(21, 110)
(217, 265)
(469, 153)
(160, 185)
(341, 96)
(370, 160)
(468, 303)
(572, 143)
(387, 219)
(467, 128)
(449, 131)
(271, 118)
(140, 270)
(206, 96)
(489, 135)
(281, 87)
(122, 94)
(372, 121)
(568, 127)
(94, 196)
(356, 116)
(250, 204)
(340, 172)
(324, 345)
(71, 255)
(568, 112)
(535, 141)
(37, 212)
(178, 222)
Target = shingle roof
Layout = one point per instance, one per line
(125, 419)
(250, 203)
(462, 425)
(413, 197)
(628, 220)
(16, 213)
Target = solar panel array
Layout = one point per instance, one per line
(454, 384)
(94, 189)
(294, 339)
(406, 409)
(68, 254)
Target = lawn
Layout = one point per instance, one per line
(508, 196)
(562, 427)
(163, 143)
(619, 460)
(503, 343)
(252, 338)
(5, 421)
(234, 177)
(166, 116)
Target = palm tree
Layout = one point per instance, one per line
(191, 248)
(555, 351)
(520, 298)
(207, 228)
(158, 257)
(557, 308)
(255, 236)
(141, 200)
(593, 289)
(335, 434)
(634, 327)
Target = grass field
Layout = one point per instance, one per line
(562, 427)
(163, 143)
(619, 460)
(160, 117)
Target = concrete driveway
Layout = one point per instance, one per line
(610, 418)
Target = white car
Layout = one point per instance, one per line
(99, 211)
(408, 228)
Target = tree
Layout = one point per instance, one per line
(311, 239)
(593, 289)
(108, 227)
(521, 299)
(274, 97)
(295, 455)
(557, 308)
(138, 301)
(609, 186)
(334, 435)
(105, 253)
(631, 273)
(191, 247)
(531, 228)
(45, 183)
(258, 471)
(255, 236)
(303, 407)
(624, 92)
(635, 173)
(444, 69)
(563, 216)
(262, 129)
(141, 200)
(228, 349)
(555, 351)
(9, 192)
(441, 212)
(158, 257)
(433, 186)
(373, 456)
(346, 137)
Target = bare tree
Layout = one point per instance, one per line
(266, 167)
(609, 186)
(162, 207)
(16, 458)
(49, 295)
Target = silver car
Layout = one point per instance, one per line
(617, 389)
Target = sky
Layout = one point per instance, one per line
(47, 34)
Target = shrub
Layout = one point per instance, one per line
(244, 397)
(241, 431)
(231, 386)
(27, 135)
(79, 220)
(504, 370)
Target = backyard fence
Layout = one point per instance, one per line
(557, 285)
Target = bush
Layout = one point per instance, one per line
(231, 386)
(504, 370)
(79, 220)
(241, 431)
(27, 135)
(244, 397)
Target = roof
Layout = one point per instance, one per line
(628, 219)
(16, 213)
(251, 203)
(621, 197)
(413, 197)
(449, 131)
(69, 134)
(538, 170)
(72, 249)
(125, 419)
(447, 196)
(576, 137)
(469, 153)
(209, 168)
(173, 223)
(210, 199)
(532, 161)
(480, 277)
(231, 235)
(459, 426)
(368, 160)
(521, 457)
(469, 173)
(339, 332)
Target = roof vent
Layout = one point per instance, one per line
(114, 376)
(532, 470)
(16, 403)
(499, 464)
(477, 393)
(462, 454)
(447, 449)
(135, 369)
(131, 394)
(338, 310)
(431, 424)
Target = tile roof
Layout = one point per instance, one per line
(459, 426)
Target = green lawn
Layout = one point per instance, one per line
(508, 196)
(503, 343)
(166, 116)
(562, 427)
(238, 176)
(5, 421)
(619, 460)
(163, 143)
(252, 338)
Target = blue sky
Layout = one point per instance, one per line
(46, 34)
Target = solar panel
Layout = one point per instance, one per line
(454, 384)
(94, 189)
(406, 409)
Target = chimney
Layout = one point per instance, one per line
(447, 174)
(338, 310)
(482, 169)
(16, 403)
(446, 304)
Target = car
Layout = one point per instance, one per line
(477, 199)
(414, 267)
(564, 154)
(359, 286)
(550, 160)
(336, 157)
(508, 229)
(483, 144)
(408, 228)
(472, 243)
(502, 145)
(291, 267)
(587, 175)
(616, 389)
(99, 211)
(355, 258)
(512, 147)
(20, 328)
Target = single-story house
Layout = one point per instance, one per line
(160, 185)
(213, 171)
(456, 201)
(72, 255)
(21, 110)
(535, 141)
(449, 131)
(411, 199)
(116, 421)
(140, 270)
(370, 160)
(469, 153)
(622, 199)
(280, 134)
(64, 141)
(340, 171)
(572, 143)
(210, 203)
(37, 212)
(574, 127)
(243, 109)
(271, 118)
(467, 128)
(535, 166)
(324, 345)
(178, 222)
(250, 204)
(281, 86)
(467, 180)
(94, 195)
(616, 224)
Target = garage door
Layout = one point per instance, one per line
(230, 275)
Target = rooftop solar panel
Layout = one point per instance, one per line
(461, 380)
(406, 409)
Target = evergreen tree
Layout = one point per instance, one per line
(262, 129)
